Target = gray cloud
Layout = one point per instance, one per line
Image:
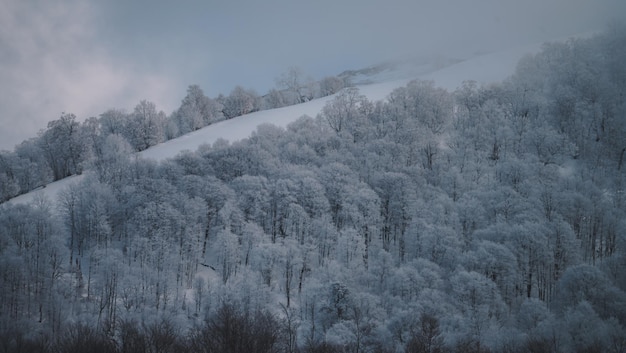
(51, 62)
(87, 56)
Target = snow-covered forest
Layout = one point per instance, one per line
(487, 219)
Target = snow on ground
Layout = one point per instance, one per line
(50, 191)
(484, 69)
(233, 129)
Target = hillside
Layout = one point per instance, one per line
(484, 69)
(438, 215)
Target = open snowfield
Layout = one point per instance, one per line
(484, 69)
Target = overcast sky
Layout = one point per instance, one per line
(85, 57)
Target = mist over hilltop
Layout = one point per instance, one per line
(85, 57)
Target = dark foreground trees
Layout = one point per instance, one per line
(427, 338)
(229, 330)
(233, 330)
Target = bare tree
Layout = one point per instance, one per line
(296, 84)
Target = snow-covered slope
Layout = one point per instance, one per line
(49, 191)
(234, 129)
(487, 68)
